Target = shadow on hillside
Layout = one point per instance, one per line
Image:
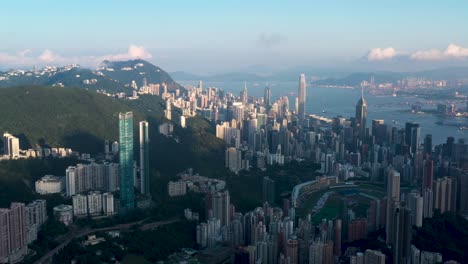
(25, 143)
(84, 142)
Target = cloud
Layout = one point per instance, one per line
(456, 51)
(133, 52)
(48, 57)
(18, 58)
(432, 54)
(377, 54)
(453, 51)
(270, 40)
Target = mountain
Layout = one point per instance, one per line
(127, 71)
(82, 120)
(113, 77)
(354, 79)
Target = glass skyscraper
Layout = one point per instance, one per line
(127, 193)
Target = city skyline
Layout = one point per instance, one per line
(234, 132)
(335, 34)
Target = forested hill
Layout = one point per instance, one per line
(82, 120)
(111, 76)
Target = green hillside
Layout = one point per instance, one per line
(54, 116)
(82, 120)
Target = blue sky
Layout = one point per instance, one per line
(209, 36)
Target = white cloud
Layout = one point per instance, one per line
(133, 52)
(48, 57)
(451, 52)
(382, 54)
(432, 54)
(456, 51)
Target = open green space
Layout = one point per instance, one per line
(309, 203)
(333, 208)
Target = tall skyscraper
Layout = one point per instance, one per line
(402, 235)
(244, 94)
(428, 174)
(220, 206)
(268, 190)
(412, 136)
(428, 144)
(127, 194)
(361, 116)
(393, 198)
(337, 238)
(267, 97)
(302, 98)
(144, 158)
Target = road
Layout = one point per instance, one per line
(69, 237)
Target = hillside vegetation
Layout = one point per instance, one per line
(82, 120)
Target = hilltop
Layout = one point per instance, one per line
(112, 76)
(127, 71)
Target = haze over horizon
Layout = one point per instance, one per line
(211, 37)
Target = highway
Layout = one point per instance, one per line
(72, 235)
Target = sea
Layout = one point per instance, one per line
(332, 102)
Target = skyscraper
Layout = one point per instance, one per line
(144, 158)
(13, 240)
(412, 136)
(428, 174)
(244, 94)
(302, 97)
(127, 194)
(268, 190)
(428, 144)
(361, 116)
(393, 197)
(401, 243)
(267, 97)
(416, 205)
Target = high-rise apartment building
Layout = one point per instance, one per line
(393, 198)
(11, 145)
(91, 177)
(401, 243)
(127, 194)
(13, 239)
(416, 205)
(302, 97)
(268, 190)
(374, 257)
(445, 194)
(144, 158)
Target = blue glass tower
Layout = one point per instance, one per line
(127, 193)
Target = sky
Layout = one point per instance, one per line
(219, 36)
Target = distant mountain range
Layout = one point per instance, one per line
(327, 77)
(111, 76)
(117, 76)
